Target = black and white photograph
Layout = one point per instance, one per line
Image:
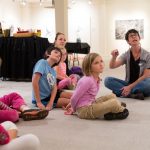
(122, 26)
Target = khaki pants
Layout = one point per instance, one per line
(101, 106)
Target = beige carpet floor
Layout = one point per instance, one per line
(60, 132)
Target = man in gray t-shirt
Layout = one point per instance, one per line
(137, 63)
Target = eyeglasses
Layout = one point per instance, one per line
(133, 34)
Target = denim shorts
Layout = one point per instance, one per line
(45, 101)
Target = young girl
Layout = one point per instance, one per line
(45, 94)
(64, 81)
(11, 105)
(60, 42)
(9, 140)
(83, 101)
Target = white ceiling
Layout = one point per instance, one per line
(33, 1)
(37, 1)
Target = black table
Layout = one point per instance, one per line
(79, 48)
(75, 49)
(19, 56)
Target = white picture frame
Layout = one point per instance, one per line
(122, 26)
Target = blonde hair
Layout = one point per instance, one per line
(63, 50)
(87, 62)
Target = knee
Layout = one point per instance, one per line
(32, 140)
(114, 102)
(14, 116)
(107, 81)
(14, 94)
(110, 96)
(116, 105)
(67, 81)
(148, 82)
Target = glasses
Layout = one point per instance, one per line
(133, 34)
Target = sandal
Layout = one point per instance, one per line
(34, 114)
(28, 110)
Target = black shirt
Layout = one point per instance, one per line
(134, 69)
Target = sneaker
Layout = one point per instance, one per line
(138, 95)
(115, 116)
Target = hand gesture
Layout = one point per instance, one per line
(115, 53)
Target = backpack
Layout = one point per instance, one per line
(76, 70)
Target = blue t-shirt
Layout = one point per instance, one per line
(47, 80)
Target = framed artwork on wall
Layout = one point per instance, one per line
(122, 26)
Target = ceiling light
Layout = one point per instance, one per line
(90, 2)
(23, 2)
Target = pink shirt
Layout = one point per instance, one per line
(85, 92)
(62, 68)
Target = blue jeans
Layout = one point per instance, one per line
(116, 85)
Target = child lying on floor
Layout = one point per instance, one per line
(13, 104)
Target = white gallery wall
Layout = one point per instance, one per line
(86, 22)
(42, 18)
(10, 14)
(29, 17)
(126, 10)
(94, 24)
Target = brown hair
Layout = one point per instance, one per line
(87, 62)
(131, 31)
(57, 34)
(48, 52)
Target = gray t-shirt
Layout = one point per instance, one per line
(144, 62)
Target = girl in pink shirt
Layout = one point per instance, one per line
(83, 100)
(64, 81)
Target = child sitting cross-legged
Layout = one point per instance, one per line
(84, 102)
(63, 80)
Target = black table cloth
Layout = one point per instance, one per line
(79, 48)
(19, 55)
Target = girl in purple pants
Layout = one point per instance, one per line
(13, 104)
